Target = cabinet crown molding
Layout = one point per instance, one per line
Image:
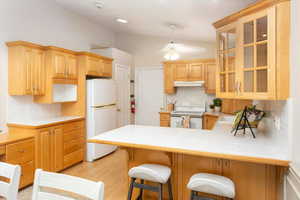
(85, 53)
(205, 60)
(54, 48)
(24, 43)
(252, 8)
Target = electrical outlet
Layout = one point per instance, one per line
(277, 122)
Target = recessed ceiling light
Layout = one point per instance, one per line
(99, 4)
(123, 21)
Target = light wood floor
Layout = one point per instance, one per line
(111, 170)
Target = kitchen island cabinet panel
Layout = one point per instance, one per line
(256, 167)
(252, 181)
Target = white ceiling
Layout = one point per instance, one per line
(150, 17)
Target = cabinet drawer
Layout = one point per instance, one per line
(20, 152)
(164, 117)
(165, 123)
(73, 145)
(73, 158)
(71, 135)
(27, 174)
(73, 126)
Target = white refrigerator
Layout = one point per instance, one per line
(101, 114)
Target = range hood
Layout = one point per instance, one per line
(189, 83)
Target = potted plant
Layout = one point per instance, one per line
(217, 104)
(211, 108)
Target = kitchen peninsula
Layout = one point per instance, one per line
(256, 166)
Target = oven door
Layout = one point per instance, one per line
(176, 122)
(196, 122)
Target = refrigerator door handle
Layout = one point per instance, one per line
(104, 106)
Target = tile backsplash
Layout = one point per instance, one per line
(24, 108)
(190, 96)
(276, 124)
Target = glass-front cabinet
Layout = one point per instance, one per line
(257, 50)
(253, 53)
(226, 71)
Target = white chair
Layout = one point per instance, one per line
(60, 182)
(150, 172)
(9, 190)
(211, 184)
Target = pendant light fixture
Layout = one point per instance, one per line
(172, 53)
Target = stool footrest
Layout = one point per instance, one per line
(146, 187)
(201, 198)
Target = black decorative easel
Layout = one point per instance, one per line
(245, 125)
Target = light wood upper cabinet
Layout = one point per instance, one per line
(63, 62)
(181, 71)
(258, 52)
(253, 52)
(226, 78)
(26, 69)
(38, 74)
(210, 78)
(190, 70)
(169, 79)
(107, 68)
(96, 65)
(72, 72)
(59, 65)
(196, 72)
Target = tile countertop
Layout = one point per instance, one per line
(218, 143)
(39, 123)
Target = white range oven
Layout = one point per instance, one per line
(195, 114)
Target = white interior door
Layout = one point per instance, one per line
(149, 95)
(122, 78)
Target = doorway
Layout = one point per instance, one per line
(122, 78)
(149, 95)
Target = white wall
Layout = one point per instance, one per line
(295, 84)
(147, 52)
(46, 23)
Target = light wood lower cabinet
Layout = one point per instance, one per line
(252, 181)
(22, 153)
(55, 148)
(50, 144)
(249, 177)
(209, 121)
(165, 119)
(60, 146)
(194, 164)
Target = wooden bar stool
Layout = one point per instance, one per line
(150, 172)
(211, 184)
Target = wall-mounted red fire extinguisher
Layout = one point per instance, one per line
(132, 104)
